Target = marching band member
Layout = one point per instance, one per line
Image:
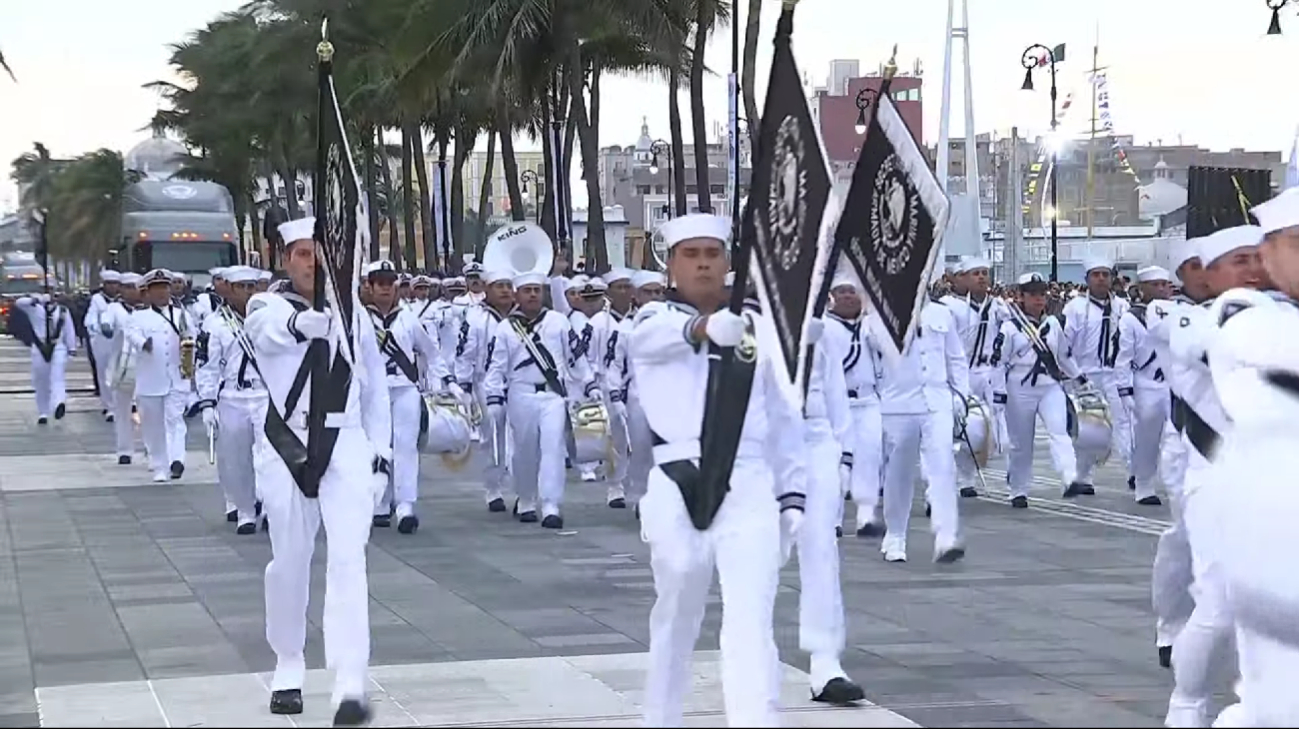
(473, 354)
(98, 341)
(1030, 364)
(1142, 384)
(580, 294)
(403, 342)
(209, 302)
(113, 323)
(358, 429)
(650, 287)
(1170, 584)
(851, 341)
(450, 315)
(979, 317)
(759, 518)
(162, 390)
(474, 284)
(1230, 259)
(232, 396)
(403, 288)
(609, 362)
(532, 374)
(55, 340)
(916, 401)
(1091, 336)
(264, 281)
(827, 431)
(420, 286)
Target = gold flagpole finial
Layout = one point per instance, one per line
(325, 49)
(891, 68)
(1241, 199)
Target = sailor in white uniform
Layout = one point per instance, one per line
(1143, 384)
(1091, 332)
(533, 375)
(650, 287)
(581, 294)
(607, 355)
(162, 390)
(264, 281)
(473, 354)
(1030, 366)
(110, 282)
(231, 394)
(347, 480)
(120, 367)
(209, 301)
(55, 341)
(474, 284)
(759, 518)
(403, 342)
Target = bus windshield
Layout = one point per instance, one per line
(190, 256)
(17, 286)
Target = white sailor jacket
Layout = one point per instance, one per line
(227, 363)
(1196, 411)
(853, 345)
(923, 379)
(1016, 364)
(411, 357)
(99, 303)
(157, 371)
(1141, 331)
(1091, 331)
(512, 366)
(118, 320)
(474, 346)
(978, 324)
(826, 405)
(61, 331)
(607, 352)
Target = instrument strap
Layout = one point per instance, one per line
(388, 343)
(540, 356)
(53, 331)
(233, 320)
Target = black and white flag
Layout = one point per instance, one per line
(786, 211)
(892, 224)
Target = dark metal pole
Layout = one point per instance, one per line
(734, 126)
(1055, 209)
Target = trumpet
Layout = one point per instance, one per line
(187, 347)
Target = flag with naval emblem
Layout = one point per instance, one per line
(892, 224)
(783, 220)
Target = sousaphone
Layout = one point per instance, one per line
(519, 248)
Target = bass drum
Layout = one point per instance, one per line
(972, 418)
(592, 440)
(444, 429)
(1090, 424)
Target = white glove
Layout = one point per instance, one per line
(791, 520)
(845, 480)
(725, 329)
(313, 324)
(210, 418)
(815, 329)
(595, 395)
(458, 393)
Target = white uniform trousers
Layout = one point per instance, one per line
(981, 387)
(1024, 405)
(1266, 689)
(615, 474)
(1170, 580)
(48, 380)
(1150, 409)
(820, 600)
(1204, 642)
(242, 420)
(909, 441)
(162, 426)
(867, 458)
(403, 488)
(123, 423)
(103, 349)
(744, 543)
(641, 459)
(496, 447)
(539, 420)
(343, 507)
(1120, 432)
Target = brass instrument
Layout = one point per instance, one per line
(187, 346)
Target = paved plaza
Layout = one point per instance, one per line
(127, 603)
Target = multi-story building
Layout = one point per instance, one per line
(498, 197)
(835, 111)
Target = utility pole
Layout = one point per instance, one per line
(1015, 208)
(1091, 143)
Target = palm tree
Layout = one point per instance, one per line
(8, 70)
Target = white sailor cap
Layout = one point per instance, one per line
(403, 278)
(473, 269)
(156, 276)
(420, 280)
(618, 273)
(695, 225)
(296, 230)
(599, 284)
(436, 280)
(219, 272)
(648, 278)
(108, 275)
(730, 279)
(383, 265)
(972, 263)
(533, 278)
(265, 275)
(1278, 213)
(1220, 243)
(130, 279)
(593, 289)
(1091, 263)
(491, 277)
(1183, 252)
(241, 274)
(1152, 273)
(1032, 278)
(844, 275)
(576, 283)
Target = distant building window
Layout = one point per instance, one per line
(659, 189)
(716, 189)
(642, 189)
(691, 189)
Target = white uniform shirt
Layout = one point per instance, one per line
(1017, 363)
(1091, 332)
(407, 349)
(607, 335)
(474, 346)
(978, 324)
(1143, 333)
(62, 332)
(853, 344)
(826, 405)
(94, 310)
(922, 380)
(513, 366)
(157, 372)
(227, 365)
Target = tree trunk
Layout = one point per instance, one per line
(408, 197)
(697, 111)
(511, 165)
(290, 191)
(371, 187)
(416, 135)
(589, 137)
(546, 189)
(466, 140)
(748, 71)
(255, 224)
(678, 160)
(485, 195)
(389, 197)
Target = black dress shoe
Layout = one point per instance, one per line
(1088, 489)
(352, 712)
(1019, 502)
(103, 411)
(42, 420)
(1151, 500)
(496, 505)
(847, 496)
(110, 418)
(381, 520)
(618, 503)
(266, 524)
(838, 532)
(286, 701)
(246, 528)
(1166, 656)
(60, 411)
(528, 517)
(1132, 483)
(870, 529)
(969, 492)
(232, 516)
(840, 692)
(134, 409)
(123, 460)
(177, 469)
(950, 555)
(1075, 489)
(553, 521)
(408, 524)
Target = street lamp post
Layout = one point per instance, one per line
(865, 98)
(1033, 58)
(661, 147)
(526, 177)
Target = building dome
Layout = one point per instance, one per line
(646, 142)
(1161, 197)
(157, 158)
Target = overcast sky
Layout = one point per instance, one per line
(1197, 70)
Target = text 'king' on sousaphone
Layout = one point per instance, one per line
(519, 248)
